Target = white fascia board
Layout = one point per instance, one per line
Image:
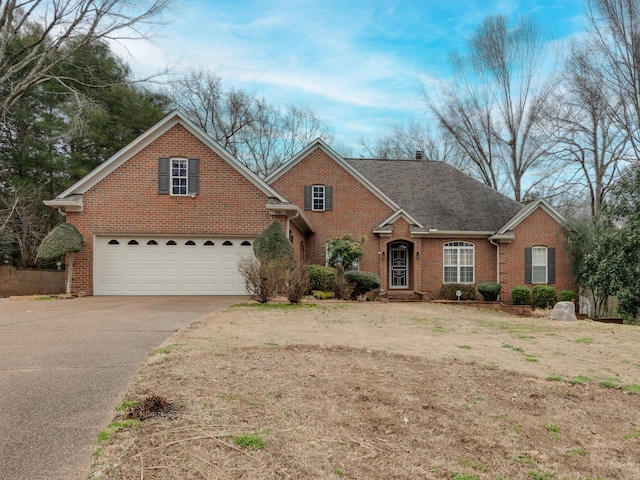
(71, 204)
(451, 233)
(519, 217)
(294, 214)
(319, 143)
(393, 218)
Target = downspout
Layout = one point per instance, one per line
(288, 220)
(497, 245)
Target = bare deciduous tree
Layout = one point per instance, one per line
(494, 106)
(260, 135)
(38, 35)
(616, 33)
(404, 140)
(587, 135)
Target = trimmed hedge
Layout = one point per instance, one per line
(568, 296)
(322, 278)
(544, 296)
(489, 291)
(448, 291)
(363, 281)
(521, 296)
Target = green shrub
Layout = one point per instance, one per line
(521, 296)
(568, 296)
(489, 291)
(272, 245)
(448, 291)
(320, 295)
(544, 296)
(322, 278)
(363, 281)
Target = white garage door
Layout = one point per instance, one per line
(163, 265)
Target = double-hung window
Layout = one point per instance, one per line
(540, 264)
(459, 262)
(179, 176)
(318, 198)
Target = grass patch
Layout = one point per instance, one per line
(585, 340)
(97, 452)
(275, 306)
(554, 430)
(634, 433)
(250, 442)
(465, 476)
(632, 389)
(522, 459)
(465, 347)
(271, 344)
(555, 378)
(45, 297)
(165, 350)
(115, 427)
(580, 380)
(575, 452)
(126, 405)
(610, 383)
(541, 475)
(530, 358)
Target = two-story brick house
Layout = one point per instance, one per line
(174, 213)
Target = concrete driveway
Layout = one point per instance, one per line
(65, 364)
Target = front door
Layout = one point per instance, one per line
(399, 267)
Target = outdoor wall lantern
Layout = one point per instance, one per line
(418, 255)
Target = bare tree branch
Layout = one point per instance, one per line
(38, 35)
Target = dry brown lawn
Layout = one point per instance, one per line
(386, 391)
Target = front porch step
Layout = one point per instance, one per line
(404, 296)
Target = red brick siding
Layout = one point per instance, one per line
(356, 210)
(127, 201)
(430, 265)
(30, 282)
(538, 229)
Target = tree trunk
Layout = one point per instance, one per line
(69, 274)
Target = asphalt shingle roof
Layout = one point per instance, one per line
(438, 195)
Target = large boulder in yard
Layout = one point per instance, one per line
(565, 311)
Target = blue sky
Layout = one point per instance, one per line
(357, 64)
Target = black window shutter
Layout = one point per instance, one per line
(193, 172)
(551, 265)
(527, 265)
(163, 176)
(328, 198)
(307, 197)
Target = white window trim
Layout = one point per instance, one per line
(545, 265)
(323, 198)
(171, 176)
(456, 246)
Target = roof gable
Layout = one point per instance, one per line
(320, 144)
(144, 140)
(519, 217)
